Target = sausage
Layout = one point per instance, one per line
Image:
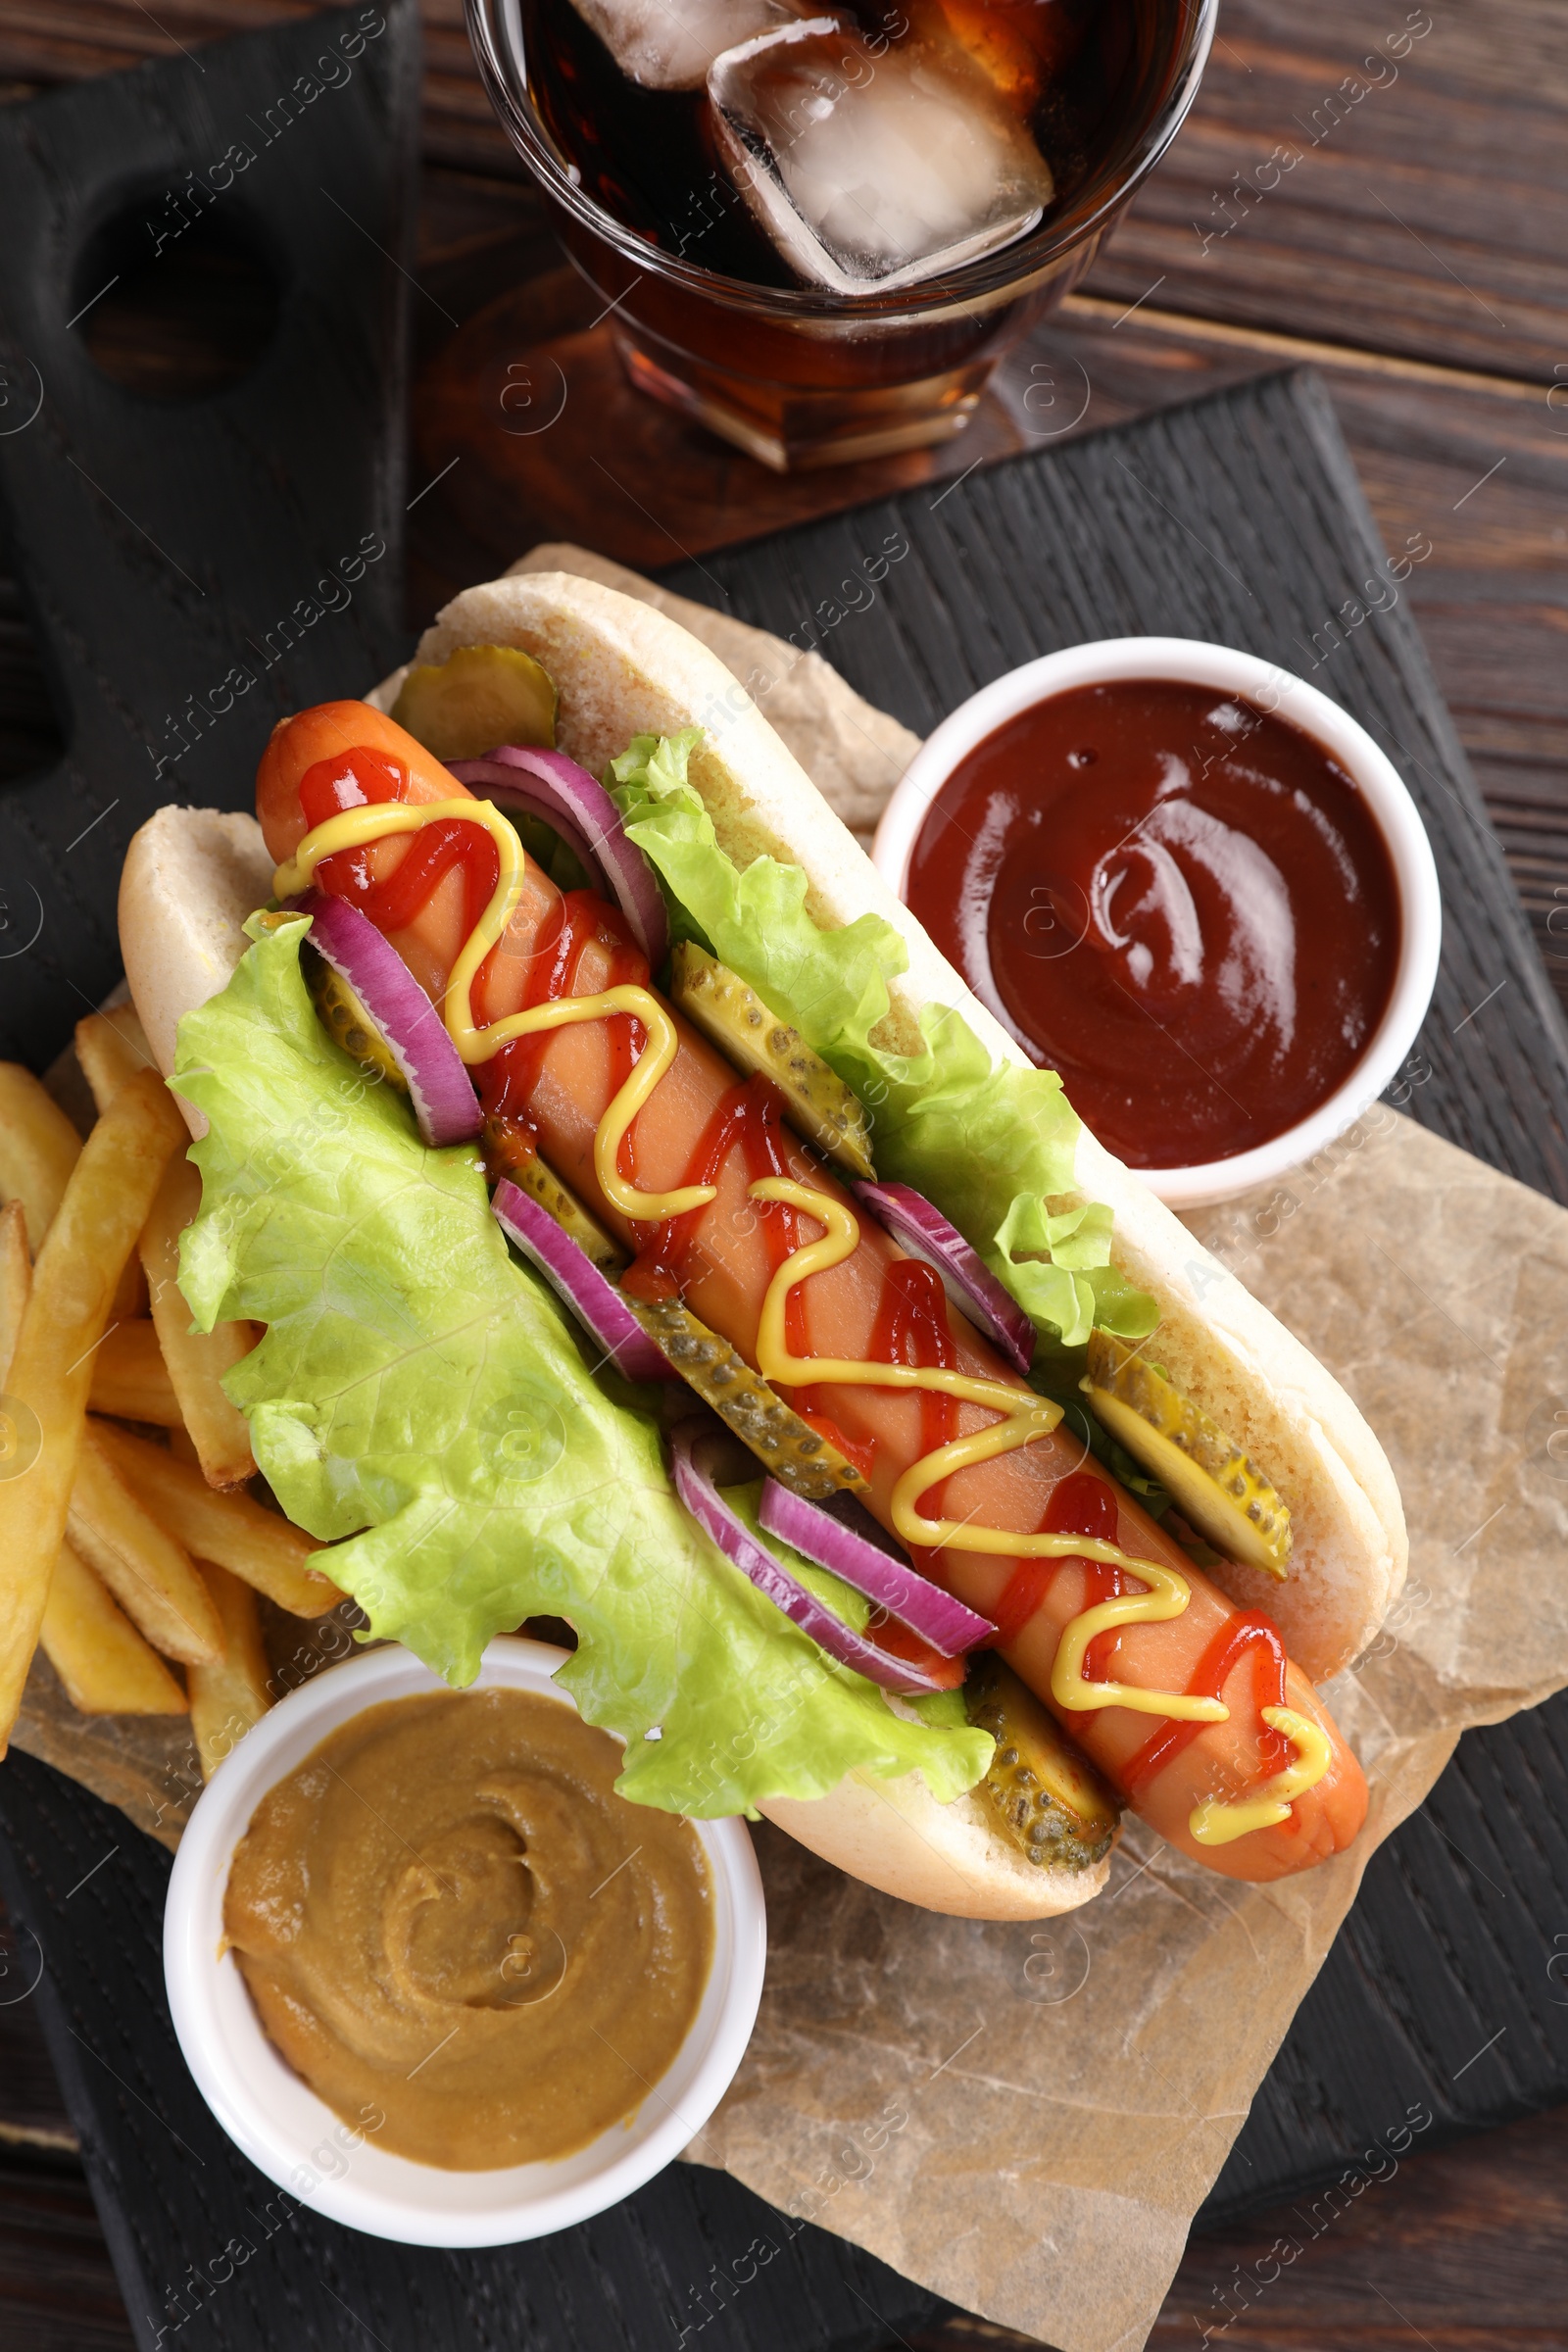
(725, 1277)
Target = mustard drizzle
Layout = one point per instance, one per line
(380, 820)
(1213, 1823)
(1023, 1417)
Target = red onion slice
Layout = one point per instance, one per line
(842, 1535)
(551, 786)
(439, 1086)
(578, 1282)
(691, 1444)
(925, 1233)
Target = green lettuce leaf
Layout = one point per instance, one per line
(991, 1146)
(411, 1399)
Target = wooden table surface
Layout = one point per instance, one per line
(1381, 192)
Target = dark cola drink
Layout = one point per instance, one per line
(815, 230)
(859, 150)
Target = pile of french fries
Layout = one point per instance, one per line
(131, 1555)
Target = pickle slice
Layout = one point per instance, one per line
(731, 1016)
(480, 697)
(1048, 1799)
(1213, 1484)
(510, 1150)
(785, 1445)
(346, 1020)
(600, 1247)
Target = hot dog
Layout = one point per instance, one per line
(727, 1271)
(1201, 1656)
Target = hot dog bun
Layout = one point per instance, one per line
(191, 876)
(621, 668)
(895, 1837)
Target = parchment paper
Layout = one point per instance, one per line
(1026, 2118)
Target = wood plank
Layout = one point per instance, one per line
(58, 2292)
(1464, 2247)
(1426, 217)
(45, 41)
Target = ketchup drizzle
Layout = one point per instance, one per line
(749, 1117)
(393, 904)
(1081, 1506)
(912, 1328)
(1250, 1631)
(349, 781)
(582, 919)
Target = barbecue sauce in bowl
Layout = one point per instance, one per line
(1178, 900)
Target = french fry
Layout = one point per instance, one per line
(237, 1532)
(197, 1359)
(149, 1574)
(103, 1662)
(227, 1698)
(16, 1280)
(110, 1047)
(131, 1379)
(104, 1207)
(104, 1665)
(38, 1148)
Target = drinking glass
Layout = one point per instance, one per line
(801, 375)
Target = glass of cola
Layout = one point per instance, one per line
(817, 227)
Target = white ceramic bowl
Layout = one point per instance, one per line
(294, 2138)
(1270, 689)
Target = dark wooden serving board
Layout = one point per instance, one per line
(1240, 518)
(197, 556)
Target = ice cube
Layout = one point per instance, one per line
(671, 44)
(873, 167)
